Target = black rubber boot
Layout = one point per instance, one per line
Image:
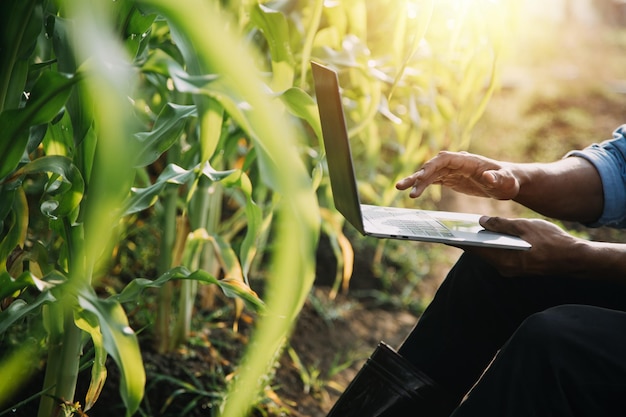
(389, 386)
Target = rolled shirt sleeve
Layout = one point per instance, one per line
(609, 158)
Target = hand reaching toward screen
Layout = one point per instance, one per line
(466, 173)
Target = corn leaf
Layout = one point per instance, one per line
(11, 287)
(135, 29)
(89, 323)
(20, 308)
(121, 343)
(302, 105)
(64, 190)
(142, 198)
(15, 226)
(20, 25)
(167, 129)
(46, 100)
(58, 139)
(254, 217)
(274, 26)
(232, 289)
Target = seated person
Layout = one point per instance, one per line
(516, 333)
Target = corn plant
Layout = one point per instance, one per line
(195, 126)
(72, 136)
(260, 119)
(61, 149)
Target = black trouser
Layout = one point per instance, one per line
(476, 311)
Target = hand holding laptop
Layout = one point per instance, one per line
(466, 173)
(547, 257)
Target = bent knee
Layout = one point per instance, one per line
(554, 326)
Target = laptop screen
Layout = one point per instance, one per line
(336, 143)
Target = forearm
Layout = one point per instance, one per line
(568, 189)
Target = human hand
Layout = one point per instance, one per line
(466, 173)
(554, 251)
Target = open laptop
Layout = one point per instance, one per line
(457, 229)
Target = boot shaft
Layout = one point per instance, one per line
(387, 386)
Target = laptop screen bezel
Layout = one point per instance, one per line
(337, 145)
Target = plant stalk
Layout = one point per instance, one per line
(164, 297)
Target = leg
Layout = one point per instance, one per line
(472, 315)
(475, 311)
(566, 361)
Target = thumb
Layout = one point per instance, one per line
(500, 225)
(496, 179)
(501, 184)
(490, 177)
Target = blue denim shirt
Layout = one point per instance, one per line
(609, 158)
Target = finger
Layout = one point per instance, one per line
(417, 182)
(409, 181)
(500, 225)
(432, 172)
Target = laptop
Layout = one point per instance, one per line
(456, 229)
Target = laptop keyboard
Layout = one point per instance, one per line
(424, 227)
(420, 226)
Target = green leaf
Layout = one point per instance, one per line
(187, 83)
(10, 287)
(276, 29)
(136, 29)
(167, 129)
(254, 217)
(20, 24)
(64, 190)
(211, 123)
(142, 198)
(15, 227)
(134, 288)
(88, 322)
(7, 194)
(227, 257)
(59, 139)
(232, 288)
(213, 86)
(121, 343)
(159, 62)
(79, 108)
(46, 100)
(302, 105)
(20, 308)
(47, 97)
